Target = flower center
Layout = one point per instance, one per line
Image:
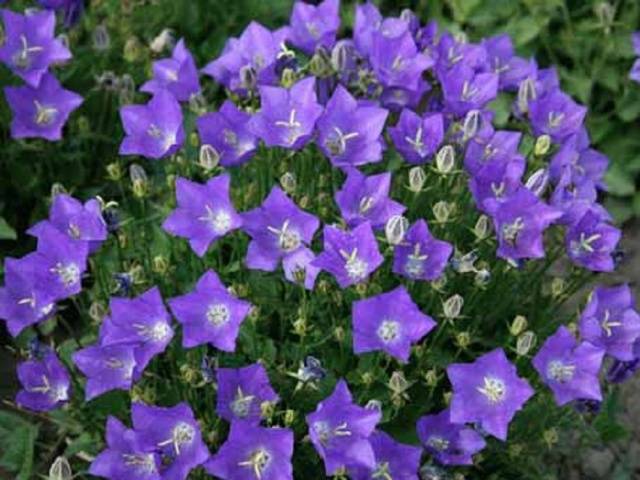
(555, 119)
(438, 443)
(230, 137)
(218, 314)
(608, 325)
(326, 433)
(510, 231)
(292, 125)
(417, 143)
(366, 204)
(182, 434)
(494, 389)
(337, 143)
(258, 461)
(415, 262)
(468, 91)
(44, 115)
(156, 133)
(241, 404)
(74, 231)
(382, 471)
(584, 243)
(219, 221)
(22, 58)
(156, 332)
(68, 274)
(560, 372)
(288, 238)
(388, 331)
(355, 267)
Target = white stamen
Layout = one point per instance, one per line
(494, 389)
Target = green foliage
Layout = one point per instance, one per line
(17, 444)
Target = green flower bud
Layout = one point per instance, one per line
(518, 325)
(289, 417)
(482, 227)
(288, 78)
(525, 343)
(208, 157)
(60, 470)
(132, 49)
(551, 437)
(542, 146)
(417, 179)
(445, 160)
(442, 210)
(160, 264)
(431, 378)
(526, 93)
(114, 171)
(463, 340)
(139, 180)
(339, 334)
(288, 182)
(395, 229)
(453, 306)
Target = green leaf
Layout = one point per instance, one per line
(523, 30)
(17, 444)
(462, 9)
(6, 232)
(619, 181)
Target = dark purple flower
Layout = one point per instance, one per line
(488, 392)
(241, 392)
(45, 384)
(502, 60)
(570, 369)
(178, 74)
(453, 52)
(464, 90)
(278, 229)
(153, 130)
(204, 213)
(71, 9)
(349, 133)
(42, 111)
(227, 131)
(449, 443)
(556, 115)
(210, 314)
(390, 322)
(175, 433)
(253, 452)
(126, 456)
(610, 321)
(108, 367)
(350, 256)
(420, 256)
(621, 371)
(340, 431)
(417, 138)
(287, 117)
(591, 243)
(394, 460)
(30, 47)
(363, 199)
(314, 26)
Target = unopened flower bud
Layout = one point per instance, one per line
(446, 397)
(288, 77)
(482, 277)
(526, 93)
(453, 306)
(341, 56)
(367, 379)
(288, 182)
(114, 171)
(208, 157)
(267, 409)
(126, 89)
(56, 189)
(482, 227)
(139, 180)
(395, 229)
(525, 343)
(339, 334)
(518, 325)
(417, 179)
(160, 264)
(101, 38)
(538, 181)
(606, 14)
(197, 103)
(463, 340)
(60, 470)
(289, 417)
(439, 283)
(304, 202)
(431, 377)
(515, 450)
(442, 210)
(320, 64)
(445, 159)
(464, 263)
(189, 374)
(300, 326)
(557, 286)
(132, 49)
(374, 404)
(542, 145)
(551, 437)
(97, 311)
(471, 124)
(164, 40)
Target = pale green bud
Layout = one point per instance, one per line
(453, 306)
(208, 157)
(60, 470)
(518, 325)
(395, 229)
(288, 182)
(542, 146)
(525, 343)
(417, 179)
(445, 159)
(442, 210)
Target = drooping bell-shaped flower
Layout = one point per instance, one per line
(45, 383)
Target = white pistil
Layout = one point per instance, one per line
(356, 268)
(288, 238)
(382, 472)
(44, 115)
(555, 119)
(438, 443)
(21, 58)
(156, 332)
(172, 75)
(366, 203)
(158, 134)
(182, 434)
(142, 461)
(230, 137)
(219, 221)
(69, 274)
(416, 143)
(258, 461)
(493, 388)
(415, 261)
(241, 404)
(46, 386)
(325, 433)
(511, 231)
(608, 325)
(468, 91)
(74, 231)
(218, 314)
(584, 243)
(292, 125)
(498, 189)
(337, 144)
(388, 331)
(560, 372)
(398, 64)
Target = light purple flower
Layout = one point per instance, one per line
(591, 242)
(108, 367)
(314, 26)
(367, 21)
(502, 60)
(45, 384)
(492, 147)
(556, 115)
(298, 268)
(584, 164)
(421, 256)
(464, 90)
(496, 182)
(394, 460)
(417, 138)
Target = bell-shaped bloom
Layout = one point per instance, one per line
(174, 433)
(621, 371)
(178, 74)
(143, 322)
(452, 52)
(417, 138)
(350, 256)
(366, 199)
(367, 21)
(449, 443)
(242, 391)
(393, 459)
(71, 9)
(340, 431)
(420, 256)
(126, 456)
(287, 117)
(512, 70)
(390, 322)
(30, 47)
(610, 321)
(227, 131)
(109, 367)
(570, 369)
(576, 199)
(556, 115)
(45, 383)
(153, 130)
(210, 314)
(349, 134)
(278, 229)
(314, 26)
(42, 111)
(492, 147)
(204, 213)
(496, 182)
(488, 392)
(584, 164)
(464, 90)
(591, 243)
(298, 268)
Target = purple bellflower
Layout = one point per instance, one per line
(368, 20)
(591, 243)
(585, 164)
(45, 383)
(495, 183)
(417, 138)
(556, 115)
(492, 147)
(298, 268)
(464, 90)
(502, 60)
(314, 26)
(393, 460)
(109, 367)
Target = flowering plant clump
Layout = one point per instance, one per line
(351, 258)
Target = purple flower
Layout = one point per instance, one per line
(126, 456)
(394, 460)
(421, 256)
(465, 90)
(488, 392)
(447, 442)
(45, 384)
(367, 21)
(556, 115)
(287, 117)
(502, 60)
(349, 256)
(349, 133)
(42, 111)
(210, 314)
(591, 243)
(584, 164)
(363, 199)
(610, 321)
(298, 268)
(417, 138)
(314, 26)
(570, 369)
(108, 367)
(497, 182)
(30, 47)
(175, 433)
(241, 392)
(142, 322)
(253, 452)
(635, 71)
(390, 322)
(278, 229)
(204, 213)
(621, 371)
(153, 130)
(71, 9)
(340, 431)
(227, 131)
(492, 147)
(178, 75)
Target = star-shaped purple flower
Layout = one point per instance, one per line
(390, 322)
(492, 147)
(253, 452)
(210, 314)
(393, 460)
(495, 183)
(153, 130)
(107, 367)
(417, 138)
(340, 431)
(488, 392)
(278, 229)
(45, 383)
(421, 256)
(241, 391)
(30, 47)
(314, 26)
(350, 256)
(178, 74)
(204, 213)
(298, 268)
(570, 369)
(465, 90)
(591, 242)
(556, 115)
(502, 61)
(42, 111)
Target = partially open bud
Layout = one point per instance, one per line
(445, 159)
(471, 125)
(453, 306)
(208, 157)
(417, 179)
(526, 93)
(482, 277)
(542, 145)
(396, 229)
(164, 40)
(442, 210)
(525, 343)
